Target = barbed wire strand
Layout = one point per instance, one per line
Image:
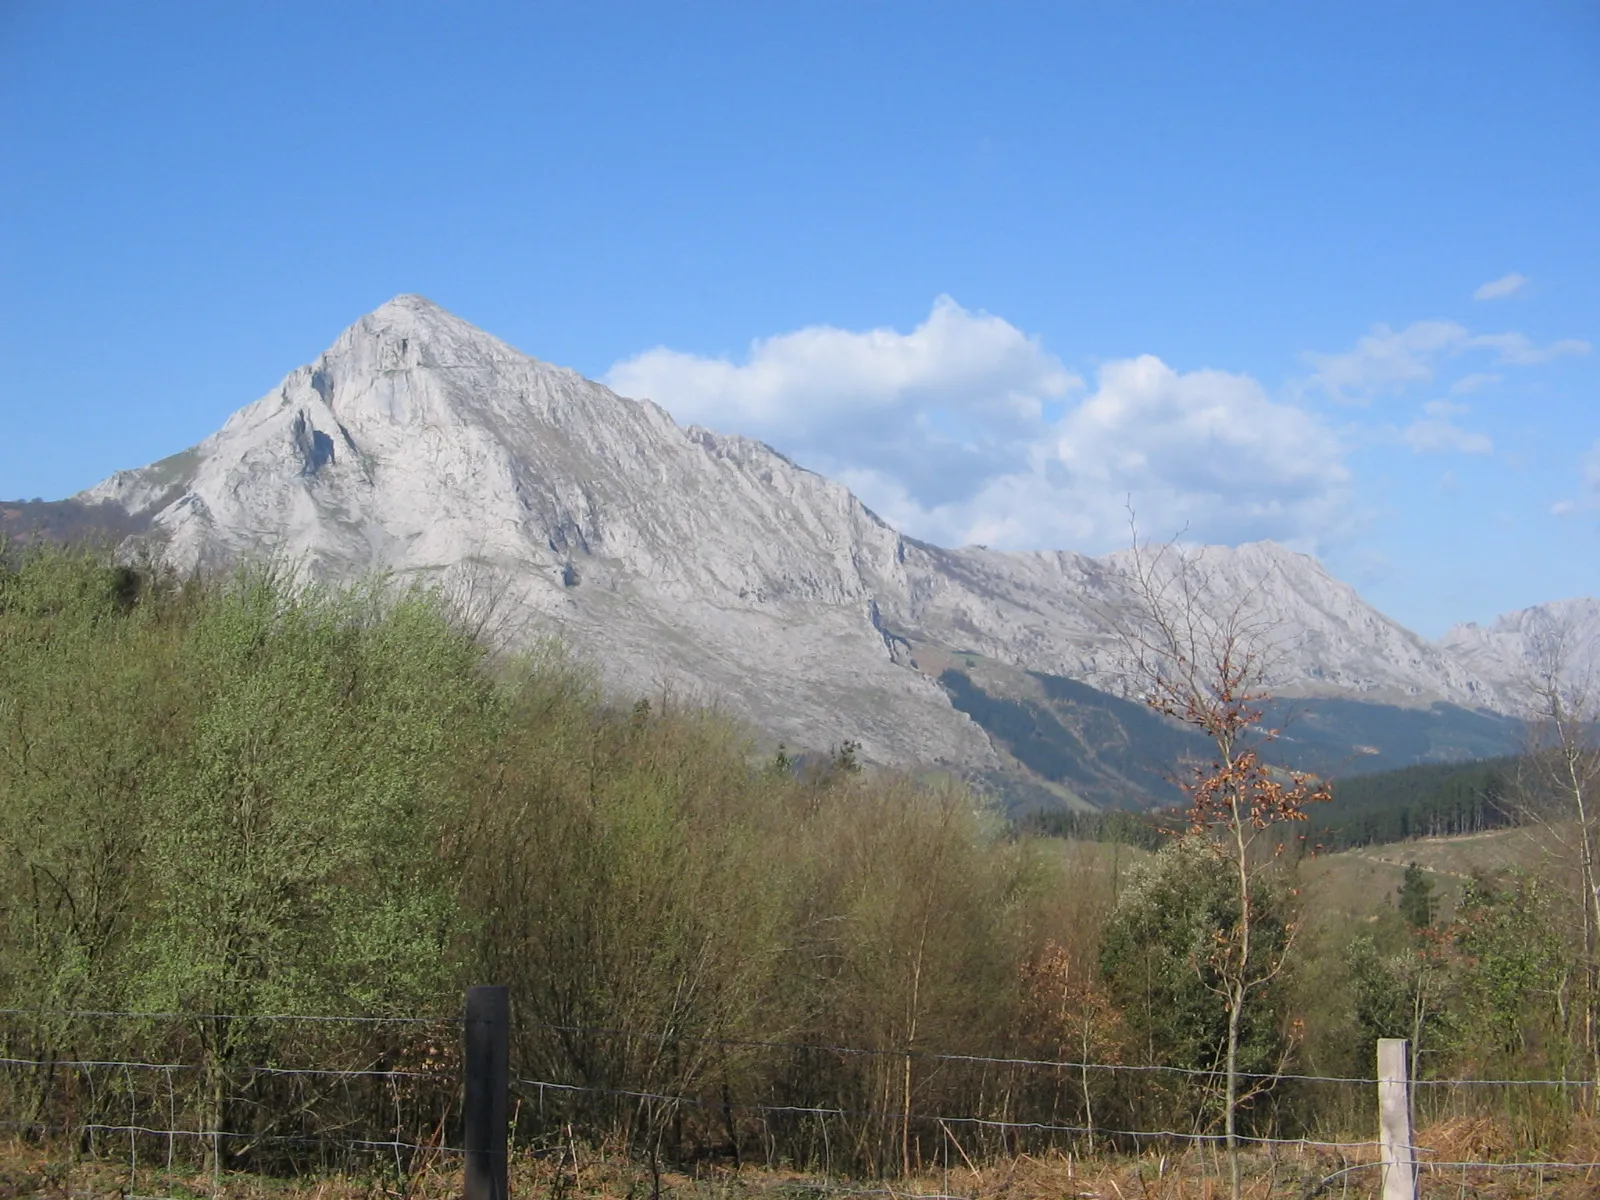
(334, 1072)
(1051, 1064)
(1175, 1135)
(896, 1114)
(258, 1138)
(111, 1014)
(757, 1043)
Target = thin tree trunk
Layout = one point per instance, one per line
(1232, 1100)
(1238, 989)
(1088, 1106)
(1591, 909)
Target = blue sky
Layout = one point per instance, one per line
(999, 266)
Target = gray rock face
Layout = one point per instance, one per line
(683, 559)
(1521, 646)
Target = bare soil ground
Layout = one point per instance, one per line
(586, 1173)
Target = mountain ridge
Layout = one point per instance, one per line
(685, 559)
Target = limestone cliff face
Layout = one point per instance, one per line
(680, 558)
(673, 558)
(1518, 646)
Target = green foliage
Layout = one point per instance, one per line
(1159, 961)
(1430, 800)
(297, 830)
(1398, 987)
(1416, 900)
(85, 728)
(1515, 976)
(239, 798)
(234, 798)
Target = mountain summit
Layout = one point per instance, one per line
(673, 557)
(683, 559)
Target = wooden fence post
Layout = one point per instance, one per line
(486, 1064)
(1394, 1120)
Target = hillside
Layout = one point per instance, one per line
(1068, 745)
(23, 521)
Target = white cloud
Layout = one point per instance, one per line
(1590, 495)
(1388, 361)
(1518, 350)
(967, 430)
(1497, 289)
(975, 362)
(1474, 383)
(1436, 431)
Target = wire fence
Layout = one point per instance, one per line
(295, 1095)
(276, 1094)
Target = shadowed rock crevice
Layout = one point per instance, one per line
(314, 447)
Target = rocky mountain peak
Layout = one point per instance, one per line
(1517, 646)
(691, 560)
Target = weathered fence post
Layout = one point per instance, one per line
(486, 1064)
(1394, 1120)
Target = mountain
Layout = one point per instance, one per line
(675, 558)
(23, 521)
(1516, 646)
(706, 565)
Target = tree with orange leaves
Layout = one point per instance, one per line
(1203, 658)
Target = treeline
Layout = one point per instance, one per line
(1429, 800)
(233, 800)
(1113, 826)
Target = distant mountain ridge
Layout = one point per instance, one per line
(702, 563)
(1516, 645)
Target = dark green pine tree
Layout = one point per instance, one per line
(1416, 900)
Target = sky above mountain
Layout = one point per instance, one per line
(1329, 275)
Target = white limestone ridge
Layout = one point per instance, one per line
(680, 558)
(1522, 646)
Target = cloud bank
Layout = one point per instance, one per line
(967, 430)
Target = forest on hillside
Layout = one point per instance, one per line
(1428, 800)
(230, 800)
(1114, 753)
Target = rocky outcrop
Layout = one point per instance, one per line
(1521, 647)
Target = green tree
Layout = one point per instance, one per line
(1416, 900)
(1400, 988)
(295, 855)
(86, 724)
(1204, 662)
(1160, 963)
(1516, 977)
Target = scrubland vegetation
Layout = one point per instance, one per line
(228, 800)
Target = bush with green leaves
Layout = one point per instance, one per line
(1159, 960)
